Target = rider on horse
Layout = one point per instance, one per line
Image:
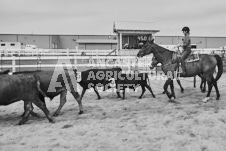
(186, 48)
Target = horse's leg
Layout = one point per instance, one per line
(210, 86)
(181, 88)
(201, 85)
(166, 86)
(172, 89)
(204, 83)
(194, 81)
(216, 88)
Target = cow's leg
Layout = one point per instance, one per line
(118, 91)
(24, 110)
(83, 92)
(28, 108)
(149, 88)
(94, 88)
(43, 107)
(79, 100)
(123, 92)
(62, 102)
(42, 98)
(118, 94)
(143, 90)
(32, 113)
(181, 88)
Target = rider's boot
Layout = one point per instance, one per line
(183, 67)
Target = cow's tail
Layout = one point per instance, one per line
(39, 86)
(220, 67)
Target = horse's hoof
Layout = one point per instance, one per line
(206, 99)
(56, 114)
(51, 120)
(80, 112)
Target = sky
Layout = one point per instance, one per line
(96, 17)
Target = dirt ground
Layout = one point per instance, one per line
(111, 124)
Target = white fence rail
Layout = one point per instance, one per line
(21, 60)
(55, 52)
(73, 52)
(76, 61)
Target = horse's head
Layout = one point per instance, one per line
(146, 49)
(153, 63)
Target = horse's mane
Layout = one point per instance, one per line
(162, 49)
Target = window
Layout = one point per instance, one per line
(12, 44)
(2, 44)
(54, 46)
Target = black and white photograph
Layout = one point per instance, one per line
(112, 75)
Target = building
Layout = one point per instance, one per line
(129, 35)
(132, 35)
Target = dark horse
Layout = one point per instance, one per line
(205, 67)
(154, 64)
(202, 85)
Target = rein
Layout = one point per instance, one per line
(158, 57)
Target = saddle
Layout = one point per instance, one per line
(193, 57)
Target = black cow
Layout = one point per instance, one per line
(4, 72)
(132, 81)
(45, 79)
(97, 77)
(24, 87)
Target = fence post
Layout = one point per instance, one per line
(13, 63)
(75, 63)
(68, 54)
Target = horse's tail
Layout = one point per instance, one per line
(220, 67)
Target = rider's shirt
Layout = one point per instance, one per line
(186, 42)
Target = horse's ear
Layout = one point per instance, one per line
(150, 38)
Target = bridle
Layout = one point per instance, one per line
(159, 58)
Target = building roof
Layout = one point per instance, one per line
(107, 41)
(135, 27)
